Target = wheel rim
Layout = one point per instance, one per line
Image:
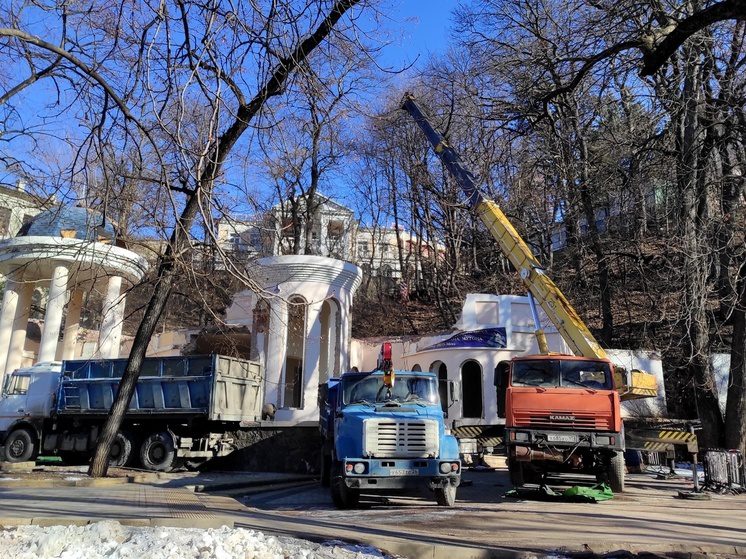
(17, 448)
(116, 450)
(157, 453)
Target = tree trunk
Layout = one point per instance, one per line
(696, 254)
(735, 409)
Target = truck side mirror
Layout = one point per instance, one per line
(454, 391)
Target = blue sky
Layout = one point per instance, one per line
(417, 29)
(425, 28)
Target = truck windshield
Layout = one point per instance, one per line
(566, 372)
(407, 388)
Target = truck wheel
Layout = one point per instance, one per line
(615, 472)
(158, 452)
(445, 496)
(344, 497)
(120, 453)
(515, 469)
(20, 446)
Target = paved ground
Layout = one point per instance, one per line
(483, 524)
(646, 518)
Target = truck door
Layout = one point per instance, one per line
(13, 404)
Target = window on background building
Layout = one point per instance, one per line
(335, 229)
(363, 249)
(5, 214)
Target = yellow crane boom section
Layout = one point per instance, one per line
(632, 385)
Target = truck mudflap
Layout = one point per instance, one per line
(366, 474)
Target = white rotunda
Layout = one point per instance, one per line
(301, 327)
(66, 250)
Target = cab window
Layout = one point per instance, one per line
(541, 372)
(18, 385)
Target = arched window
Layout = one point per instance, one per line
(471, 389)
(417, 368)
(296, 337)
(439, 368)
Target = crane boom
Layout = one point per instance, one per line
(556, 306)
(533, 275)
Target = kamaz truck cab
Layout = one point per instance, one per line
(383, 431)
(562, 414)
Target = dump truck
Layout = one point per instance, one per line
(383, 431)
(182, 413)
(562, 412)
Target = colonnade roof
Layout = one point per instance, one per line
(70, 222)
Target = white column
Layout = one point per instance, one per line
(110, 334)
(311, 357)
(277, 347)
(345, 333)
(7, 314)
(53, 317)
(332, 339)
(72, 324)
(20, 323)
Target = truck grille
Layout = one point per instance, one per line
(580, 421)
(392, 438)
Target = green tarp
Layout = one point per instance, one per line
(574, 494)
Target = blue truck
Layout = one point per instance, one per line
(384, 432)
(184, 410)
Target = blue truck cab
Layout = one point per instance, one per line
(386, 437)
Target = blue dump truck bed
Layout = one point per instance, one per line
(214, 386)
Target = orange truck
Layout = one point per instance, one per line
(562, 412)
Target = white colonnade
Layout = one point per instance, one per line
(62, 302)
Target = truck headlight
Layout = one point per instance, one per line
(520, 436)
(605, 440)
(445, 467)
(359, 468)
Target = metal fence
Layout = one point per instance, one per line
(724, 470)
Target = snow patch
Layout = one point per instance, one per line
(110, 540)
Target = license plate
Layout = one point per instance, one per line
(404, 471)
(557, 438)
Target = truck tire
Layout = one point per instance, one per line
(344, 497)
(445, 496)
(615, 472)
(515, 469)
(120, 454)
(158, 452)
(20, 446)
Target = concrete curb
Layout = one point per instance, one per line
(83, 482)
(202, 522)
(232, 487)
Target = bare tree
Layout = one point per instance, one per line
(179, 63)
